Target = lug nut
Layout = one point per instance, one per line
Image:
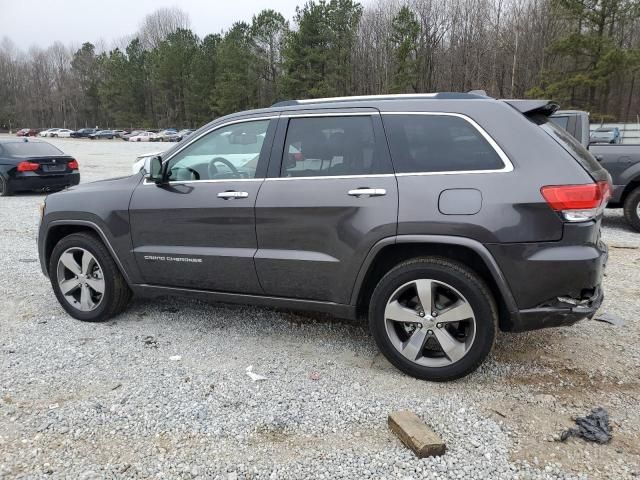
(429, 332)
(439, 325)
(421, 314)
(434, 314)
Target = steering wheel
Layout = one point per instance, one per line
(213, 171)
(194, 174)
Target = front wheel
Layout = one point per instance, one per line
(632, 209)
(433, 318)
(86, 280)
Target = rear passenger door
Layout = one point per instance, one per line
(329, 196)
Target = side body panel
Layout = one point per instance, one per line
(312, 234)
(185, 236)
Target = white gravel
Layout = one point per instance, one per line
(162, 391)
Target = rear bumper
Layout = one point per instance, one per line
(561, 314)
(554, 283)
(35, 182)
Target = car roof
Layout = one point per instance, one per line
(21, 140)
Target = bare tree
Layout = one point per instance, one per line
(158, 25)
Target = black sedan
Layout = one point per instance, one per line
(83, 133)
(30, 165)
(108, 134)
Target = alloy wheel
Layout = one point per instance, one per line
(430, 323)
(80, 279)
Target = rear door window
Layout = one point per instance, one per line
(438, 143)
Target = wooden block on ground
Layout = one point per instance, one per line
(415, 434)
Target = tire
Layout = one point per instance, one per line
(632, 209)
(116, 293)
(5, 190)
(456, 288)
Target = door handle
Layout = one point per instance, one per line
(232, 194)
(371, 192)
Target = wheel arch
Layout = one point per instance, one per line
(391, 251)
(630, 187)
(60, 229)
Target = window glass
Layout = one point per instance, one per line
(226, 153)
(329, 146)
(560, 121)
(570, 144)
(438, 143)
(21, 149)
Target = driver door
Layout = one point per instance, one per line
(198, 229)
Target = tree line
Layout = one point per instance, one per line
(582, 53)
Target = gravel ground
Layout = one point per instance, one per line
(161, 391)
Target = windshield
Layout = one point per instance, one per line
(30, 149)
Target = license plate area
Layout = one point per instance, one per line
(54, 168)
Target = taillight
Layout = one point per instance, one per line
(28, 166)
(577, 203)
(73, 164)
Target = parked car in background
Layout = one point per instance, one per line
(183, 133)
(166, 135)
(108, 134)
(29, 165)
(83, 133)
(605, 135)
(118, 133)
(26, 132)
(422, 213)
(62, 133)
(621, 161)
(143, 137)
(133, 133)
(48, 132)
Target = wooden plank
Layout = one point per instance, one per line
(415, 434)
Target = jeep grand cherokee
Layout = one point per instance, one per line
(441, 217)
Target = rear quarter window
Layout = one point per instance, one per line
(438, 143)
(569, 143)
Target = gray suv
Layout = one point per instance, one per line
(441, 218)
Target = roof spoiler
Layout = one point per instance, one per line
(533, 107)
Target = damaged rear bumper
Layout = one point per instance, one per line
(563, 312)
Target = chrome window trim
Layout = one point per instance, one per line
(508, 166)
(206, 132)
(327, 177)
(220, 180)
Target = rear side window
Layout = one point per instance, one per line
(329, 146)
(569, 143)
(30, 149)
(438, 143)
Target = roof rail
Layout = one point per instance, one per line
(398, 96)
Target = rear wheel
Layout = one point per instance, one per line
(433, 318)
(86, 280)
(5, 191)
(632, 209)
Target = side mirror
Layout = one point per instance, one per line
(153, 169)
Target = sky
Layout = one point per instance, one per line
(41, 22)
